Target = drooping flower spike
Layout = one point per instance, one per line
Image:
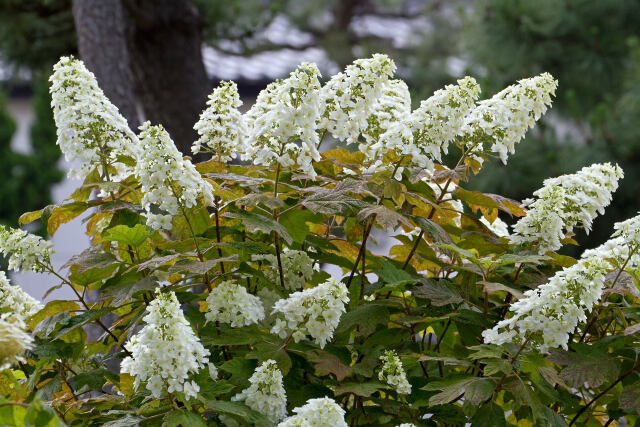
(566, 202)
(90, 128)
(546, 316)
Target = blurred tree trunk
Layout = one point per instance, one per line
(100, 28)
(165, 40)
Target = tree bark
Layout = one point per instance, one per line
(103, 48)
(165, 38)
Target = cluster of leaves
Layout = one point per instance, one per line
(433, 319)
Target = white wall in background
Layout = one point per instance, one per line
(70, 238)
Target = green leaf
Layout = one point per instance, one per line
(446, 360)
(157, 262)
(366, 316)
(212, 335)
(89, 259)
(132, 236)
(552, 418)
(52, 308)
(93, 275)
(438, 291)
(182, 418)
(127, 421)
(29, 217)
(63, 214)
(254, 199)
(265, 351)
(48, 326)
(254, 222)
(12, 415)
(507, 259)
(493, 366)
(449, 388)
(199, 222)
(199, 267)
(235, 408)
(82, 319)
(592, 367)
(240, 369)
(39, 415)
(121, 292)
(433, 230)
(295, 221)
(493, 287)
(630, 398)
(95, 379)
(392, 274)
(326, 363)
(477, 199)
(489, 414)
(478, 391)
(359, 389)
(211, 389)
(58, 349)
(330, 201)
(385, 217)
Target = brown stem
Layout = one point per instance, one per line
(276, 240)
(193, 234)
(364, 263)
(603, 392)
(431, 213)
(441, 337)
(485, 309)
(361, 251)
(511, 362)
(218, 232)
(86, 306)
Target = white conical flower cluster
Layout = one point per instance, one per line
(166, 352)
(616, 250)
(15, 301)
(393, 374)
(313, 312)
(297, 268)
(168, 181)
(427, 132)
(351, 96)
(504, 119)
(566, 202)
(549, 314)
(221, 127)
(282, 123)
(320, 412)
(14, 341)
(26, 251)
(231, 303)
(266, 393)
(392, 107)
(90, 128)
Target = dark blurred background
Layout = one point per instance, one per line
(159, 59)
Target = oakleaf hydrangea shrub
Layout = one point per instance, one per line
(338, 273)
